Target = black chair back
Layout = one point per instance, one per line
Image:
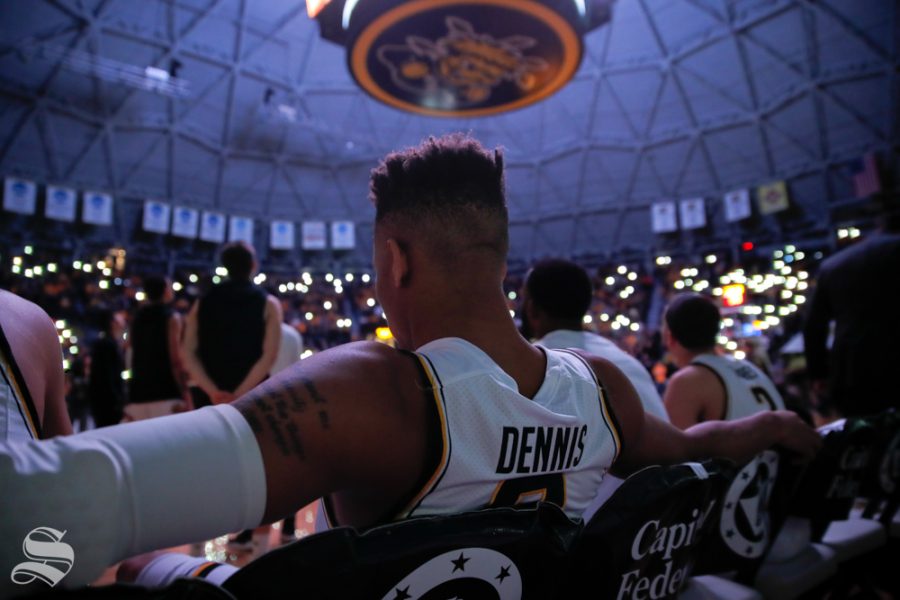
(499, 553)
(881, 482)
(754, 507)
(643, 542)
(833, 480)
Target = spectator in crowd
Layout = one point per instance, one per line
(709, 386)
(158, 379)
(233, 332)
(106, 389)
(32, 387)
(365, 426)
(557, 295)
(857, 289)
(232, 337)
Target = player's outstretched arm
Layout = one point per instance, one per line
(344, 420)
(649, 441)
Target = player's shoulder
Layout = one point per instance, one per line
(26, 313)
(694, 377)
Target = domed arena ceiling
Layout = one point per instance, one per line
(241, 108)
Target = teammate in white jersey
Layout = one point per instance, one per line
(709, 386)
(32, 382)
(556, 296)
(350, 424)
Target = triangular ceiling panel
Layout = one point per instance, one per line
(840, 40)
(694, 20)
(26, 152)
(631, 37)
(671, 115)
(71, 138)
(248, 186)
(797, 122)
(196, 170)
(605, 175)
(737, 153)
(863, 101)
(696, 178)
(637, 92)
(611, 120)
(150, 174)
(711, 85)
(647, 183)
(320, 191)
(668, 161)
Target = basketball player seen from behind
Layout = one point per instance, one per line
(381, 434)
(709, 386)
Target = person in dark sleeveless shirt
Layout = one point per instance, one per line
(157, 384)
(233, 332)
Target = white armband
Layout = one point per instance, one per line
(166, 568)
(71, 506)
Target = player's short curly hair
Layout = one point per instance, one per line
(449, 186)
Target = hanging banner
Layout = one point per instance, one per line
(97, 208)
(19, 195)
(60, 203)
(185, 221)
(692, 213)
(662, 216)
(156, 216)
(772, 198)
(343, 235)
(212, 227)
(737, 205)
(313, 235)
(281, 235)
(240, 229)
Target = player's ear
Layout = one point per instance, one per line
(399, 257)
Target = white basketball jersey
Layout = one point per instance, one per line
(501, 448)
(747, 389)
(17, 421)
(604, 348)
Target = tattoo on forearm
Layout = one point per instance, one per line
(274, 407)
(254, 423)
(313, 392)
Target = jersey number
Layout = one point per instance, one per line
(763, 397)
(528, 491)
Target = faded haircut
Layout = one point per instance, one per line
(449, 189)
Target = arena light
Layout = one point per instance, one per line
(734, 294)
(370, 302)
(29, 250)
(460, 58)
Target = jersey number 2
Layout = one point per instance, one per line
(763, 397)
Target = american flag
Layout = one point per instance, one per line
(865, 176)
